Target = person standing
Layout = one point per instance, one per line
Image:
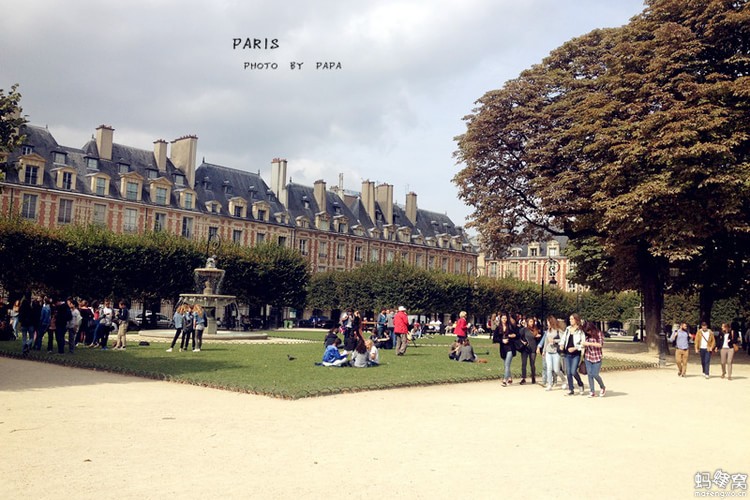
(551, 350)
(681, 338)
(188, 325)
(177, 320)
(62, 316)
(727, 341)
(201, 322)
(461, 327)
(106, 322)
(705, 344)
(382, 323)
(530, 335)
(593, 343)
(389, 327)
(26, 322)
(73, 325)
(401, 329)
(123, 315)
(572, 345)
(45, 319)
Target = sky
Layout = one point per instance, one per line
(401, 75)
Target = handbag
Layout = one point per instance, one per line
(582, 368)
(736, 347)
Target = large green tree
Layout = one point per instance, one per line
(631, 141)
(10, 124)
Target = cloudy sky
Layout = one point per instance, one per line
(409, 71)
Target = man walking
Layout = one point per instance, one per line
(401, 329)
(681, 337)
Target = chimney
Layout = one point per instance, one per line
(160, 154)
(368, 198)
(104, 135)
(411, 207)
(384, 197)
(278, 180)
(183, 155)
(320, 195)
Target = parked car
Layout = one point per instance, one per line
(163, 321)
(317, 322)
(615, 332)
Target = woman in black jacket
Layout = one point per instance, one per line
(506, 336)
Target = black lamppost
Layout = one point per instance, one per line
(550, 265)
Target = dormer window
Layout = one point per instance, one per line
(99, 184)
(59, 158)
(238, 207)
(152, 174)
(179, 180)
(226, 187)
(31, 175)
(100, 187)
(207, 183)
(27, 150)
(123, 168)
(261, 210)
(188, 200)
(131, 190)
(65, 178)
(92, 164)
(131, 185)
(337, 209)
(306, 202)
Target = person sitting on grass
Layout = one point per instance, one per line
(373, 355)
(359, 355)
(333, 357)
(455, 349)
(466, 352)
(331, 337)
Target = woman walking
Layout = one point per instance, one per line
(506, 337)
(461, 327)
(551, 351)
(705, 344)
(572, 345)
(727, 342)
(593, 357)
(530, 336)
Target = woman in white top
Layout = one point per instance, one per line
(550, 348)
(572, 345)
(373, 355)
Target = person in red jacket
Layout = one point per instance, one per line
(461, 327)
(401, 328)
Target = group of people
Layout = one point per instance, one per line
(576, 349)
(726, 342)
(30, 319)
(190, 320)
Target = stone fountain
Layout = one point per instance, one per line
(208, 281)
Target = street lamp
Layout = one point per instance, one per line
(552, 266)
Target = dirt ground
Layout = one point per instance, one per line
(71, 433)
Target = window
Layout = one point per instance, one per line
(237, 236)
(513, 269)
(358, 254)
(189, 201)
(187, 227)
(237, 211)
(27, 150)
(161, 195)
(28, 207)
(213, 232)
(101, 186)
(59, 158)
(552, 251)
(160, 221)
(516, 252)
(152, 174)
(389, 256)
(123, 168)
(303, 247)
(92, 163)
(261, 215)
(493, 269)
(32, 175)
(341, 251)
(374, 255)
(457, 266)
(179, 180)
(67, 180)
(100, 214)
(129, 220)
(65, 212)
(432, 262)
(445, 264)
(282, 241)
(260, 238)
(405, 257)
(323, 249)
(532, 269)
(533, 252)
(131, 190)
(419, 260)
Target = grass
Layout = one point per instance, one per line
(266, 368)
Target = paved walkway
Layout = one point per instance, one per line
(71, 433)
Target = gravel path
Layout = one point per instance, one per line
(71, 433)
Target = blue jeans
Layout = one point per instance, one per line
(552, 360)
(507, 361)
(571, 369)
(705, 360)
(593, 371)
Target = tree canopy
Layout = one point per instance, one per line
(631, 141)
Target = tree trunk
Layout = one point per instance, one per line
(706, 304)
(652, 289)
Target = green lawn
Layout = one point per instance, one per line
(266, 368)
